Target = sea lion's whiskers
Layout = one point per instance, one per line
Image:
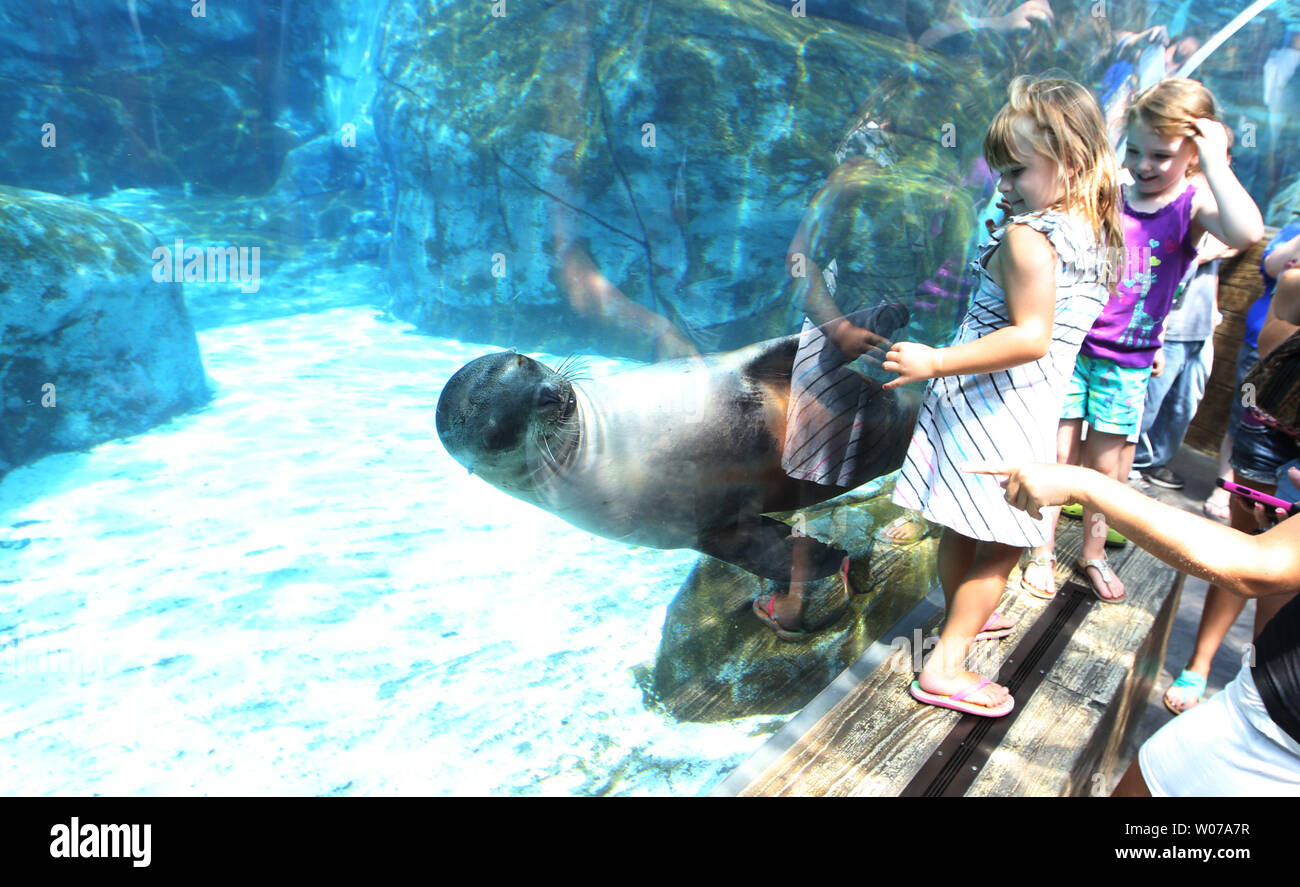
(573, 368)
(546, 447)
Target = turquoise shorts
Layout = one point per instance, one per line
(1108, 396)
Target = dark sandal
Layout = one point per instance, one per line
(816, 615)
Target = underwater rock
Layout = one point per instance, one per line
(637, 133)
(91, 347)
(332, 189)
(103, 94)
(716, 661)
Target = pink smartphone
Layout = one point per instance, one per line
(1256, 496)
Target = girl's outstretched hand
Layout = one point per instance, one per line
(1035, 486)
(1211, 140)
(913, 362)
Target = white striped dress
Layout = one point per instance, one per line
(1007, 416)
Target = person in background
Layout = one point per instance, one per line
(1246, 740)
(1023, 17)
(1259, 455)
(1282, 98)
(1128, 75)
(1173, 133)
(1282, 253)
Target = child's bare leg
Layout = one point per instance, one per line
(1069, 451)
(1223, 607)
(1220, 611)
(956, 554)
(1126, 457)
(973, 601)
(1216, 504)
(787, 609)
(1102, 452)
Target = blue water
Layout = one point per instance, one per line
(296, 591)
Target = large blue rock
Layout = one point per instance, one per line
(146, 94)
(92, 347)
(677, 144)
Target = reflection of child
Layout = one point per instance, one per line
(996, 392)
(1170, 128)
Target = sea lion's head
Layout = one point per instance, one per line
(504, 415)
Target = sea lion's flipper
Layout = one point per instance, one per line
(773, 362)
(765, 548)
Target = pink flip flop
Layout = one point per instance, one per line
(986, 633)
(957, 702)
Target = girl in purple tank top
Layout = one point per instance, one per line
(1173, 133)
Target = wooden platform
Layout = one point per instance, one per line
(866, 736)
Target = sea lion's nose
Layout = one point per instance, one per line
(548, 394)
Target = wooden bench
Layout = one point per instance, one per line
(865, 735)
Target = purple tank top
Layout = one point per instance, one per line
(1158, 251)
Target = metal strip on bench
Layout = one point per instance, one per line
(952, 769)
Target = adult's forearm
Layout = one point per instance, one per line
(1276, 261)
(1252, 566)
(947, 29)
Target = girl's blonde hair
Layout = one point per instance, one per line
(1067, 128)
(1171, 108)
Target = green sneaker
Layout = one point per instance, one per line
(1114, 538)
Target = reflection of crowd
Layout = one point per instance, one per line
(1137, 382)
(1101, 374)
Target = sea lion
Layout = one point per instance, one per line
(680, 454)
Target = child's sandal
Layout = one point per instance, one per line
(1047, 590)
(1107, 576)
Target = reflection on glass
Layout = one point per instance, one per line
(632, 182)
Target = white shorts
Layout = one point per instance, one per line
(1226, 746)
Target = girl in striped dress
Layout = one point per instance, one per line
(996, 393)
